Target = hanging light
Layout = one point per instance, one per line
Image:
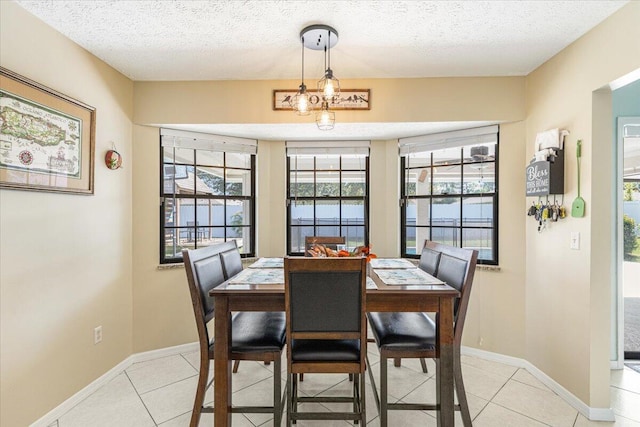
(319, 37)
(325, 119)
(328, 85)
(300, 101)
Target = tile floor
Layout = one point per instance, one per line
(160, 393)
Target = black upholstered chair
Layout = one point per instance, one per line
(231, 259)
(326, 330)
(256, 336)
(413, 335)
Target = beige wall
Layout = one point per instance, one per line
(567, 291)
(65, 260)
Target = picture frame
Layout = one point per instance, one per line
(47, 139)
(350, 99)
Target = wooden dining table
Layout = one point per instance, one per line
(436, 298)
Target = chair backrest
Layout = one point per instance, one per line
(325, 298)
(327, 241)
(456, 268)
(204, 272)
(429, 260)
(231, 259)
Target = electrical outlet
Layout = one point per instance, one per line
(97, 334)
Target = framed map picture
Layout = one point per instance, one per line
(46, 138)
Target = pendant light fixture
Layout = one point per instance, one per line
(328, 85)
(325, 119)
(323, 38)
(301, 103)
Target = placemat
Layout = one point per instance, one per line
(258, 276)
(391, 263)
(413, 276)
(268, 263)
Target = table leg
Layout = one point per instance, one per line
(444, 371)
(221, 363)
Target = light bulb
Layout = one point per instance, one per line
(329, 90)
(303, 103)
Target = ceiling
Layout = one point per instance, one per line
(260, 40)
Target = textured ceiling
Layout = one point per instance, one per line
(254, 39)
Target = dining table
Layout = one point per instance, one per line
(393, 285)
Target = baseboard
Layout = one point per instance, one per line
(71, 402)
(593, 414)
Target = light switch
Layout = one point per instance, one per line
(575, 240)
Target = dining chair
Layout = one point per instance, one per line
(325, 333)
(327, 241)
(413, 335)
(232, 265)
(429, 260)
(258, 336)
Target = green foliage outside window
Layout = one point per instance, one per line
(630, 233)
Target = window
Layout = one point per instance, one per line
(449, 191)
(327, 192)
(207, 192)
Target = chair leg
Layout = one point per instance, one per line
(200, 391)
(363, 400)
(397, 362)
(235, 366)
(383, 391)
(277, 393)
(459, 384)
(289, 398)
(355, 396)
(424, 365)
(301, 377)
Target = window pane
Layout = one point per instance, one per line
(178, 179)
(479, 178)
(445, 211)
(446, 157)
(354, 236)
(238, 182)
(354, 184)
(448, 236)
(238, 212)
(479, 153)
(302, 162)
(170, 212)
(238, 160)
(243, 240)
(297, 235)
(210, 212)
(301, 184)
(477, 212)
(446, 180)
(210, 181)
(327, 184)
(302, 212)
(210, 236)
(416, 160)
(328, 162)
(418, 182)
(184, 211)
(210, 158)
(328, 231)
(167, 154)
(415, 237)
(184, 155)
(352, 212)
(172, 247)
(480, 239)
(354, 163)
(417, 212)
(327, 213)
